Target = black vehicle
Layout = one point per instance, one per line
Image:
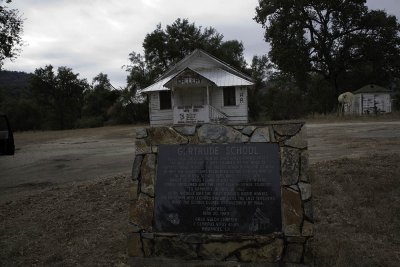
(7, 146)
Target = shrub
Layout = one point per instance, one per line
(90, 122)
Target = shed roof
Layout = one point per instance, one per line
(371, 88)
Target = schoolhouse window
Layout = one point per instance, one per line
(229, 96)
(165, 99)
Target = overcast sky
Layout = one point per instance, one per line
(93, 36)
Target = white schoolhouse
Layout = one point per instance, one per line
(199, 89)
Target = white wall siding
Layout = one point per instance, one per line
(157, 116)
(364, 103)
(190, 96)
(154, 101)
(236, 114)
(379, 101)
(356, 107)
(216, 97)
(161, 117)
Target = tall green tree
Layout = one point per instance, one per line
(16, 101)
(165, 47)
(141, 72)
(261, 70)
(130, 107)
(11, 25)
(282, 98)
(333, 39)
(376, 54)
(99, 97)
(60, 96)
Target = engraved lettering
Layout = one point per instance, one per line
(233, 188)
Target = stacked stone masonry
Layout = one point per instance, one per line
(291, 247)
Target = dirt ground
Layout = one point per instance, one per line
(63, 196)
(49, 158)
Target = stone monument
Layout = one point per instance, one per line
(217, 195)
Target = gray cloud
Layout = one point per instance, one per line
(94, 36)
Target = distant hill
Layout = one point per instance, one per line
(14, 82)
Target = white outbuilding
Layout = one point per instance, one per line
(371, 99)
(199, 89)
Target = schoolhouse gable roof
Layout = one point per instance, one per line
(185, 62)
(209, 67)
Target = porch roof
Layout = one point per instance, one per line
(218, 76)
(158, 86)
(223, 78)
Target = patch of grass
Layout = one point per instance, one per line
(357, 207)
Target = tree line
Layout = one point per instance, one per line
(59, 99)
(319, 49)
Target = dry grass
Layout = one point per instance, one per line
(83, 224)
(333, 117)
(357, 207)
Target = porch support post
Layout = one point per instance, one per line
(172, 98)
(208, 96)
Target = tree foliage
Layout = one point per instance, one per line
(283, 98)
(165, 47)
(339, 40)
(130, 107)
(60, 96)
(16, 100)
(98, 98)
(59, 99)
(11, 25)
(261, 70)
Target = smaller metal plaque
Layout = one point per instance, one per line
(230, 188)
